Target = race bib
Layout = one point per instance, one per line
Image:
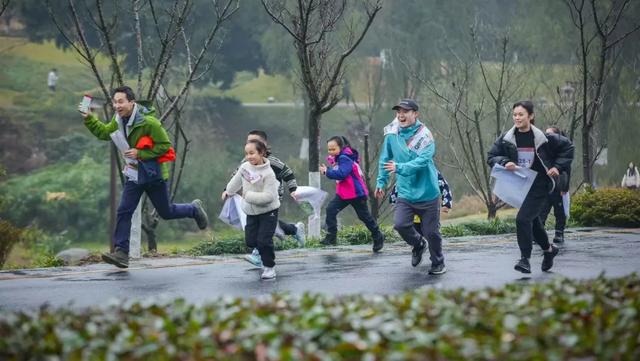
(526, 157)
(250, 176)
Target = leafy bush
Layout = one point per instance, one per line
(233, 243)
(560, 320)
(607, 207)
(494, 226)
(9, 236)
(359, 234)
(70, 197)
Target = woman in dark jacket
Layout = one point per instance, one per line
(524, 145)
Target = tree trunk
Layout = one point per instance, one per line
(304, 144)
(314, 139)
(373, 201)
(587, 155)
(492, 210)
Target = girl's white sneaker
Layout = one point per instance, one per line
(268, 273)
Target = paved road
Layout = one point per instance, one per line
(472, 263)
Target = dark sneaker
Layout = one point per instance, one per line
(416, 253)
(523, 265)
(437, 269)
(201, 216)
(118, 258)
(559, 238)
(378, 242)
(547, 260)
(328, 241)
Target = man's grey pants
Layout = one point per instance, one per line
(429, 213)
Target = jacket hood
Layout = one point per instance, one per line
(351, 153)
(146, 107)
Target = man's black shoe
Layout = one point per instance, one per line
(559, 238)
(118, 258)
(523, 265)
(416, 253)
(378, 242)
(437, 269)
(547, 260)
(201, 215)
(328, 241)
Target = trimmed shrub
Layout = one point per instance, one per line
(616, 207)
(560, 320)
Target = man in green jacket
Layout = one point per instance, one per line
(136, 120)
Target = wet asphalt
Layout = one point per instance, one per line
(472, 262)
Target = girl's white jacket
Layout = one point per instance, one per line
(259, 188)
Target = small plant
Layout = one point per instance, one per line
(9, 236)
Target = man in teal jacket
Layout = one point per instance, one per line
(408, 151)
(135, 121)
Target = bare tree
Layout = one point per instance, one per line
(4, 4)
(602, 37)
(100, 30)
(321, 51)
(468, 138)
(372, 139)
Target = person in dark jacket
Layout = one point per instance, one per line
(555, 198)
(524, 145)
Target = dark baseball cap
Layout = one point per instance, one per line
(406, 104)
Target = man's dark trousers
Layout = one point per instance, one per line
(555, 202)
(159, 195)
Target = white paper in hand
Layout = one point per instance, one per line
(512, 186)
(232, 214)
(314, 196)
(566, 204)
(131, 167)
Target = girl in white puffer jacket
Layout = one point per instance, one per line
(260, 201)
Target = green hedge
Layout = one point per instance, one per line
(494, 226)
(559, 320)
(233, 243)
(616, 207)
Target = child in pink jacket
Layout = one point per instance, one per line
(350, 190)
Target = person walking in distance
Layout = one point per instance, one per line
(526, 146)
(258, 186)
(150, 147)
(631, 178)
(351, 190)
(407, 151)
(52, 79)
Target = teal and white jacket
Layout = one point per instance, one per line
(412, 149)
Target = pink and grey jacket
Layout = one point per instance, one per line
(346, 172)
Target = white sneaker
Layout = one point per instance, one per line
(268, 273)
(300, 235)
(254, 258)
